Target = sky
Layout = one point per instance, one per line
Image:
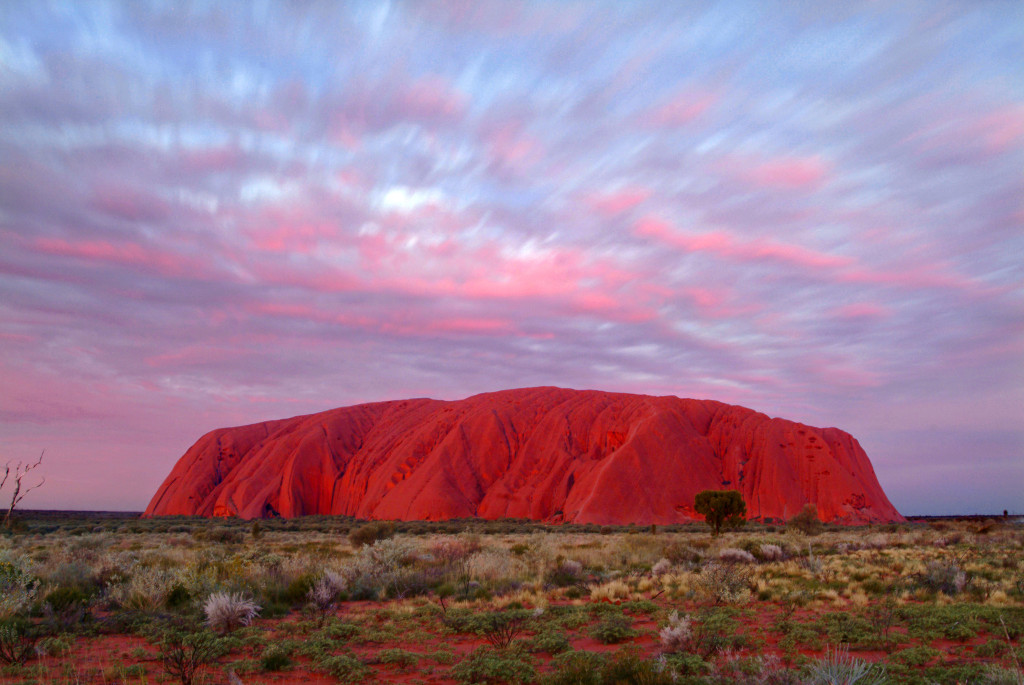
(213, 214)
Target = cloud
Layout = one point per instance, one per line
(789, 173)
(726, 246)
(214, 217)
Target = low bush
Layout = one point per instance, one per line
(592, 668)
(613, 628)
(17, 641)
(276, 657)
(371, 532)
(943, 576)
(184, 652)
(490, 665)
(731, 555)
(724, 583)
(347, 668)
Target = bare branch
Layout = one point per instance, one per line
(34, 487)
(20, 471)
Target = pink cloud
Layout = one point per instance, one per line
(195, 355)
(911, 277)
(619, 201)
(212, 159)
(420, 324)
(682, 109)
(457, 326)
(129, 205)
(611, 307)
(510, 146)
(726, 246)
(843, 373)
(301, 235)
(129, 254)
(1004, 129)
(432, 98)
(788, 173)
(862, 310)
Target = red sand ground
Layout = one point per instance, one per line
(103, 659)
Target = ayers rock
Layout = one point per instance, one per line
(541, 453)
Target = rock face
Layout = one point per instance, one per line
(540, 453)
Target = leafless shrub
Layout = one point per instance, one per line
(323, 596)
(453, 555)
(771, 552)
(661, 568)
(944, 576)
(21, 470)
(724, 583)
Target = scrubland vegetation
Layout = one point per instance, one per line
(321, 600)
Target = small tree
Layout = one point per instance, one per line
(807, 521)
(721, 508)
(20, 471)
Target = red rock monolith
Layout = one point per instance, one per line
(549, 454)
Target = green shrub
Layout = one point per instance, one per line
(992, 648)
(550, 642)
(399, 657)
(592, 668)
(916, 656)
(715, 630)
(183, 653)
(347, 668)
(628, 666)
(576, 668)
(489, 665)
(17, 641)
(276, 658)
(613, 629)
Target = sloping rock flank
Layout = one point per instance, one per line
(541, 453)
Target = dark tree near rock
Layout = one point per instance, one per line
(721, 509)
(21, 469)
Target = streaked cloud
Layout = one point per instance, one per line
(214, 214)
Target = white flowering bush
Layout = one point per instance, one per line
(771, 552)
(227, 611)
(732, 555)
(661, 568)
(677, 635)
